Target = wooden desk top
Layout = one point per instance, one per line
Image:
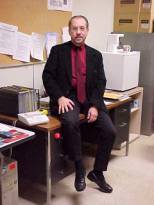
(54, 122)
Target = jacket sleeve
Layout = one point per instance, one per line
(49, 75)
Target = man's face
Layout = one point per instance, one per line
(78, 31)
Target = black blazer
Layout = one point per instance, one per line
(57, 74)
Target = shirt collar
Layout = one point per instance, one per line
(74, 47)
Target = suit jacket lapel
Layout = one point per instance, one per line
(88, 64)
(67, 61)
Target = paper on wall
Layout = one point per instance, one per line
(65, 34)
(22, 47)
(37, 47)
(51, 40)
(7, 38)
(63, 5)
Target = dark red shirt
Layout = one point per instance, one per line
(82, 54)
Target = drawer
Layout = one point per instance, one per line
(121, 114)
(121, 117)
(122, 132)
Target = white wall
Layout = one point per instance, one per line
(100, 14)
(24, 75)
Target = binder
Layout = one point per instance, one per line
(17, 99)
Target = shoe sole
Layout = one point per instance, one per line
(79, 190)
(93, 180)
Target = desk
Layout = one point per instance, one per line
(19, 137)
(49, 129)
(54, 124)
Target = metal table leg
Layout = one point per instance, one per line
(48, 168)
(127, 145)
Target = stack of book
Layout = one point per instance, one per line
(112, 95)
(17, 99)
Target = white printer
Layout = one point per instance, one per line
(121, 68)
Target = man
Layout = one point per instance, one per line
(75, 81)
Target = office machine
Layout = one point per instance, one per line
(120, 64)
(121, 69)
(17, 99)
(113, 42)
(33, 118)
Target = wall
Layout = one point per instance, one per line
(100, 14)
(23, 75)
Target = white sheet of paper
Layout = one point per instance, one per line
(38, 43)
(63, 5)
(23, 47)
(51, 40)
(8, 27)
(7, 38)
(65, 34)
(4, 127)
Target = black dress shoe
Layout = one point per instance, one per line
(80, 183)
(100, 181)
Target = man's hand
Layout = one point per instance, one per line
(92, 114)
(65, 104)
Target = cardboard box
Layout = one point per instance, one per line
(146, 22)
(127, 6)
(147, 6)
(9, 183)
(124, 22)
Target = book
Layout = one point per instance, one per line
(10, 134)
(113, 96)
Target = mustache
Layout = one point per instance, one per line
(79, 36)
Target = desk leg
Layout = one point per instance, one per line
(1, 164)
(127, 145)
(48, 168)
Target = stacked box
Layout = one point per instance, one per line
(134, 15)
(127, 6)
(124, 22)
(146, 18)
(126, 15)
(147, 6)
(9, 182)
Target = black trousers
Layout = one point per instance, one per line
(72, 137)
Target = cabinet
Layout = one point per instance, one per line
(135, 113)
(121, 119)
(126, 115)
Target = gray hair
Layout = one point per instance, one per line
(78, 16)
